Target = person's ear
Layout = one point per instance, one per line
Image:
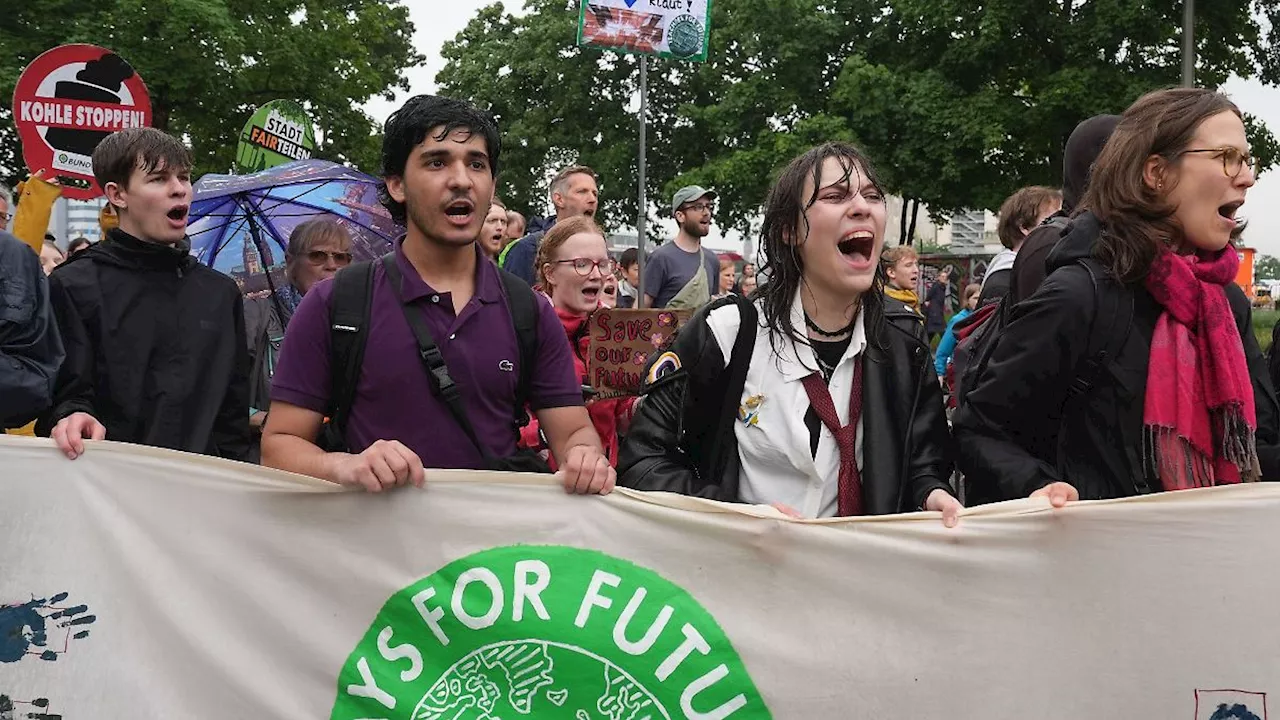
(395, 187)
(1153, 173)
(117, 196)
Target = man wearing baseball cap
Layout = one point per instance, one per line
(683, 274)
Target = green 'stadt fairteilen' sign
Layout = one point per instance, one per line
(279, 132)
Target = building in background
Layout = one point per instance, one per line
(71, 219)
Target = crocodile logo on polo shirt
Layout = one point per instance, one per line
(545, 632)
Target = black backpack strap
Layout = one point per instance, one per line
(1113, 309)
(348, 329)
(1061, 222)
(522, 303)
(437, 370)
(739, 363)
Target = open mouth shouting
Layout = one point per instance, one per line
(177, 216)
(460, 212)
(857, 248)
(1228, 212)
(591, 293)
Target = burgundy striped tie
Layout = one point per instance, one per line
(849, 490)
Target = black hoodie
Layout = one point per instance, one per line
(1082, 149)
(155, 347)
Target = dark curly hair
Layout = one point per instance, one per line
(408, 126)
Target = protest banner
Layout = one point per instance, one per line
(678, 29)
(620, 344)
(141, 583)
(277, 133)
(65, 102)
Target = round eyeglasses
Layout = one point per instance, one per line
(584, 266)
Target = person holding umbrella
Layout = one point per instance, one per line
(318, 248)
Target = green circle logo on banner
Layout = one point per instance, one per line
(545, 632)
(684, 36)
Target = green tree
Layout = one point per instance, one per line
(958, 103)
(559, 104)
(984, 95)
(1266, 267)
(208, 63)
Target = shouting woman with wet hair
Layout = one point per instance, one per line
(817, 395)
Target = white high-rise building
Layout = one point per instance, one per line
(82, 220)
(71, 219)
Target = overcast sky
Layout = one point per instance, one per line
(437, 22)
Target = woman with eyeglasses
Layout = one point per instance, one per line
(573, 267)
(317, 250)
(1133, 368)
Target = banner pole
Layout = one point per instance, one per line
(640, 230)
(1188, 43)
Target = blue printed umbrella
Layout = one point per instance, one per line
(240, 224)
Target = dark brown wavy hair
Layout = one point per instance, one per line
(1138, 219)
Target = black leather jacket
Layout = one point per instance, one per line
(682, 439)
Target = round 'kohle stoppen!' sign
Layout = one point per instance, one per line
(66, 102)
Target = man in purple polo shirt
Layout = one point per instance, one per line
(440, 157)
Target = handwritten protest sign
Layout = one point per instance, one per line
(621, 344)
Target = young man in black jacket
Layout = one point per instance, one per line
(156, 351)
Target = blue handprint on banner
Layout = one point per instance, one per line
(1233, 712)
(15, 709)
(42, 627)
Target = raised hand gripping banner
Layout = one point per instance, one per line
(139, 583)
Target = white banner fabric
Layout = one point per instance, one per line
(140, 583)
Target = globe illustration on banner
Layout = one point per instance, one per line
(544, 632)
(537, 679)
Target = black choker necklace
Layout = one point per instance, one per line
(808, 321)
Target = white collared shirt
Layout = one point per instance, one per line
(776, 463)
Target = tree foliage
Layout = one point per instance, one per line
(958, 102)
(1267, 268)
(208, 63)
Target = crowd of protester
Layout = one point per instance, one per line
(1107, 351)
